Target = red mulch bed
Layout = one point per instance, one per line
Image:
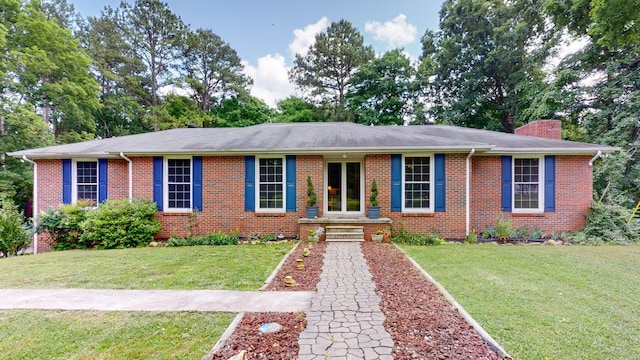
(306, 278)
(421, 322)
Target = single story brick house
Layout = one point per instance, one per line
(431, 178)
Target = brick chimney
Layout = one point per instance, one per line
(548, 129)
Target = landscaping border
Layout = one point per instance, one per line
(493, 344)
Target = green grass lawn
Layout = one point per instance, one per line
(239, 267)
(546, 302)
(40, 334)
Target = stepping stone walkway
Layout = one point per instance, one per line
(345, 320)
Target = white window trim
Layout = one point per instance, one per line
(540, 208)
(284, 185)
(165, 185)
(432, 174)
(74, 179)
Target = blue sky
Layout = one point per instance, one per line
(267, 34)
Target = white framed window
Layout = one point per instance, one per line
(178, 194)
(85, 181)
(270, 189)
(418, 183)
(528, 189)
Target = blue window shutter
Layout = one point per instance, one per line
(396, 183)
(291, 183)
(550, 183)
(157, 181)
(506, 183)
(440, 195)
(197, 182)
(250, 183)
(66, 181)
(103, 179)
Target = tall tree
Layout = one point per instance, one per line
(324, 72)
(603, 86)
(382, 92)
(212, 69)
(52, 72)
(295, 109)
(154, 34)
(478, 66)
(241, 110)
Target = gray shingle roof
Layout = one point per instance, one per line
(314, 138)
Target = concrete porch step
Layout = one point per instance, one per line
(344, 233)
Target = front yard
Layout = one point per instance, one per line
(41, 334)
(565, 302)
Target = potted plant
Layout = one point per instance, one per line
(378, 236)
(374, 209)
(312, 209)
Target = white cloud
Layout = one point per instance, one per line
(270, 79)
(304, 38)
(395, 33)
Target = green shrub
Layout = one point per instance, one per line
(402, 236)
(608, 222)
(13, 235)
(504, 227)
(268, 237)
(536, 233)
(489, 233)
(520, 233)
(213, 238)
(119, 224)
(63, 226)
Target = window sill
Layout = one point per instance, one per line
(270, 214)
(425, 214)
(176, 213)
(527, 214)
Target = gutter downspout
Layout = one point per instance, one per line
(468, 191)
(595, 157)
(35, 203)
(130, 168)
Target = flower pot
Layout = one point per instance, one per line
(373, 212)
(377, 237)
(312, 212)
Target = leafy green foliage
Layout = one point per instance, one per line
(13, 236)
(400, 235)
(241, 110)
(63, 226)
(312, 198)
(608, 223)
(325, 71)
(484, 64)
(119, 224)
(211, 68)
(268, 237)
(382, 92)
(295, 109)
(212, 238)
(373, 197)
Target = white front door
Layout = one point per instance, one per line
(343, 193)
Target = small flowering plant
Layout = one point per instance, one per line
(312, 232)
(379, 232)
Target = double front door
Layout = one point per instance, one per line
(343, 192)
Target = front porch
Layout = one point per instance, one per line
(343, 224)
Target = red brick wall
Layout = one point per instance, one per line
(223, 195)
(549, 129)
(574, 194)
(449, 224)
